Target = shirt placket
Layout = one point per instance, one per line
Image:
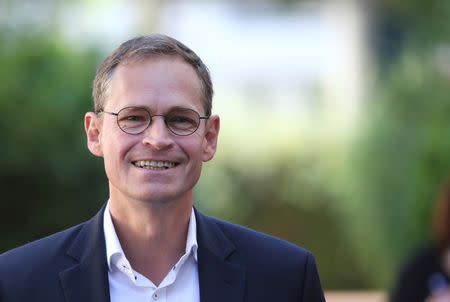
(160, 295)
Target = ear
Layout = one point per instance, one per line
(211, 135)
(92, 126)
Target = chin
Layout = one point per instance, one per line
(159, 198)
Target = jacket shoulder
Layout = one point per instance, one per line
(44, 252)
(272, 265)
(245, 237)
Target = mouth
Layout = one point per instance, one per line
(154, 164)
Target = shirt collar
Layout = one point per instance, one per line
(114, 250)
(191, 240)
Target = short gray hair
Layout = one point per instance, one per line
(144, 47)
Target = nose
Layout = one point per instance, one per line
(157, 136)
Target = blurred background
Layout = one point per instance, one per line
(335, 119)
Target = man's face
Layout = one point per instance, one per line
(159, 85)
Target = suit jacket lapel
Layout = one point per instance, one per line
(220, 279)
(87, 281)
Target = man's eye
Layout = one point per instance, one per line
(181, 122)
(135, 118)
(180, 119)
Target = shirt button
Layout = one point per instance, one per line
(155, 296)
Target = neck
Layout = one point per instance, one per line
(152, 236)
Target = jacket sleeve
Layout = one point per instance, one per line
(312, 289)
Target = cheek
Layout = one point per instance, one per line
(193, 148)
(115, 150)
(112, 157)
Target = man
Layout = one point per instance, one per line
(153, 127)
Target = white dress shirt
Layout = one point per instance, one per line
(125, 284)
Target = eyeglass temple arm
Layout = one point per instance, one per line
(112, 113)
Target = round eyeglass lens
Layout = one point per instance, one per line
(182, 121)
(133, 120)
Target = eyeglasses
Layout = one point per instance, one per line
(135, 120)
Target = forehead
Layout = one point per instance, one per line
(155, 82)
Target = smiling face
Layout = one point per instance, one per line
(156, 165)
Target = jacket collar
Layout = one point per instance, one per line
(87, 280)
(220, 279)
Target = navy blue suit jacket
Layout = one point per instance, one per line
(234, 264)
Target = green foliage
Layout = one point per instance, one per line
(426, 21)
(48, 179)
(399, 163)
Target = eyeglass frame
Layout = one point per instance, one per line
(151, 117)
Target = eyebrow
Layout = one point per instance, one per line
(182, 108)
(177, 107)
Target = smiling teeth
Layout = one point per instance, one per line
(154, 164)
